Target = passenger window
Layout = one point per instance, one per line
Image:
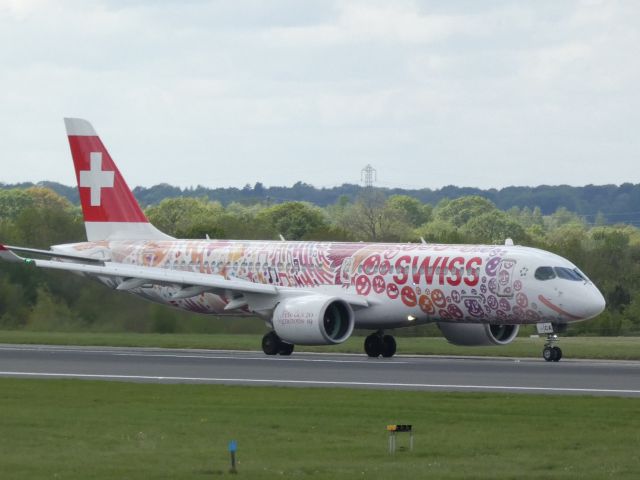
(544, 273)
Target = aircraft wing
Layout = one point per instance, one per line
(45, 253)
(135, 275)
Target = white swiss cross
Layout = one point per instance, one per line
(96, 178)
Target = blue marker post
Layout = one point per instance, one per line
(233, 448)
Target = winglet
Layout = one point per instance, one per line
(9, 256)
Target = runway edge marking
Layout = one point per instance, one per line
(316, 382)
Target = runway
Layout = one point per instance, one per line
(430, 373)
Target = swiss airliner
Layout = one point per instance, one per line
(315, 293)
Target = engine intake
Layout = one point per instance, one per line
(313, 320)
(477, 334)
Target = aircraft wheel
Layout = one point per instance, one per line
(286, 349)
(271, 343)
(557, 354)
(548, 354)
(373, 345)
(388, 346)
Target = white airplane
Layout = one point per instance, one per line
(315, 293)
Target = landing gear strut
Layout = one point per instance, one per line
(273, 345)
(378, 344)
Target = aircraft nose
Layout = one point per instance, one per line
(594, 304)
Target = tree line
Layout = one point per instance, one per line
(596, 203)
(39, 217)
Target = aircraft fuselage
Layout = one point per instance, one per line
(403, 284)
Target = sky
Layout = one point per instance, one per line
(226, 93)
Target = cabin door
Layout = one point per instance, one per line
(505, 277)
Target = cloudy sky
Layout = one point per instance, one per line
(224, 93)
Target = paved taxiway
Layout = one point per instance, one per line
(437, 373)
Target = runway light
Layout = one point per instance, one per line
(411, 318)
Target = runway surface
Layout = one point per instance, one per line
(435, 373)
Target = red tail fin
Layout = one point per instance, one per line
(109, 208)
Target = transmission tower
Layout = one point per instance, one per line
(368, 175)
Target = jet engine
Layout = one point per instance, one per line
(313, 320)
(478, 334)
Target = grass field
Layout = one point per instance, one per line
(620, 348)
(72, 429)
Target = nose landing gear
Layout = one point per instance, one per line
(378, 344)
(551, 352)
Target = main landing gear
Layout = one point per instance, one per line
(378, 344)
(273, 345)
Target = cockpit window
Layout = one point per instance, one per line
(568, 274)
(544, 273)
(582, 275)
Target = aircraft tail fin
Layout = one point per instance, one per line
(110, 210)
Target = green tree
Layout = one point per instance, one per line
(373, 218)
(461, 210)
(412, 210)
(562, 216)
(14, 311)
(40, 218)
(567, 240)
(440, 231)
(245, 222)
(493, 227)
(186, 217)
(294, 220)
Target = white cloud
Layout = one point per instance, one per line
(369, 22)
(431, 93)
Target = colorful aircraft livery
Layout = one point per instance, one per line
(315, 293)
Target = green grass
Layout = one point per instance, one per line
(75, 429)
(620, 348)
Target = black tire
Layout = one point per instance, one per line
(373, 345)
(286, 349)
(388, 346)
(557, 354)
(271, 343)
(548, 354)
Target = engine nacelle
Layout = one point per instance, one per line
(313, 320)
(477, 334)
